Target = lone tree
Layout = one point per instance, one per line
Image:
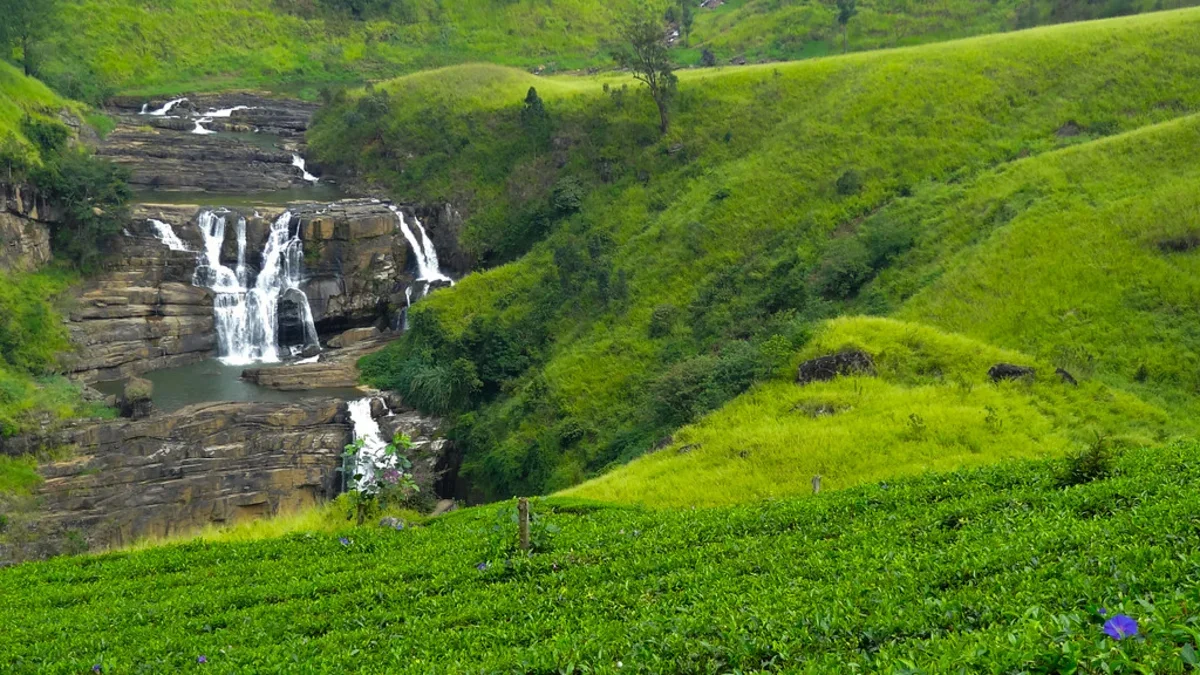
(643, 51)
(25, 23)
(846, 11)
(687, 17)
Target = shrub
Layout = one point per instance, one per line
(849, 183)
(662, 320)
(845, 267)
(1095, 462)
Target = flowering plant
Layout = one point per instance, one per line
(378, 478)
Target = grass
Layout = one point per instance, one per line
(735, 226)
(110, 46)
(995, 570)
(931, 408)
(21, 96)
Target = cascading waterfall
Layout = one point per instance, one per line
(247, 319)
(166, 234)
(428, 268)
(226, 112)
(163, 111)
(299, 163)
(367, 430)
(200, 130)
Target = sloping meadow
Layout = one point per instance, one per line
(656, 278)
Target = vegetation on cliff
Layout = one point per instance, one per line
(1007, 569)
(654, 279)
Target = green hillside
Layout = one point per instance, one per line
(656, 278)
(1080, 258)
(131, 46)
(1009, 569)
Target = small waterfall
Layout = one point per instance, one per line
(226, 112)
(166, 234)
(374, 446)
(161, 112)
(247, 318)
(428, 268)
(299, 163)
(200, 127)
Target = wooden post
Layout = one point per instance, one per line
(816, 484)
(523, 522)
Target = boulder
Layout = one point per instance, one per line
(1008, 371)
(353, 336)
(844, 363)
(136, 399)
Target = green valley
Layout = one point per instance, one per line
(434, 336)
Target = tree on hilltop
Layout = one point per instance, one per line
(846, 11)
(643, 50)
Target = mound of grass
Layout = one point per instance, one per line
(931, 407)
(684, 269)
(21, 97)
(994, 570)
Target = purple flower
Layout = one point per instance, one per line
(481, 566)
(1120, 627)
(97, 668)
(202, 659)
(391, 476)
(1103, 611)
(343, 541)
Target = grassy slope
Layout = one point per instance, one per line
(1072, 275)
(21, 96)
(999, 570)
(108, 46)
(707, 229)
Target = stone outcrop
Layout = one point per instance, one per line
(1008, 371)
(435, 460)
(25, 220)
(164, 155)
(140, 313)
(336, 369)
(170, 473)
(825, 368)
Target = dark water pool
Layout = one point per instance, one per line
(209, 381)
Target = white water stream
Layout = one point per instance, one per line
(299, 163)
(247, 319)
(163, 111)
(166, 234)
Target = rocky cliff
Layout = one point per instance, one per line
(169, 473)
(140, 313)
(25, 222)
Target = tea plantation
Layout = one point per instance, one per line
(1006, 569)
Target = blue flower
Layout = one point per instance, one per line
(481, 566)
(97, 668)
(343, 541)
(202, 659)
(1120, 627)
(1103, 611)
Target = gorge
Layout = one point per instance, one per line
(245, 310)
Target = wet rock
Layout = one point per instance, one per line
(353, 337)
(338, 369)
(1008, 371)
(25, 221)
(443, 506)
(826, 368)
(378, 409)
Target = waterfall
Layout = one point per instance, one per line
(247, 319)
(374, 446)
(226, 112)
(165, 109)
(299, 163)
(166, 234)
(200, 127)
(428, 268)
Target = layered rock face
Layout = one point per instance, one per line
(335, 369)
(140, 313)
(164, 154)
(172, 473)
(24, 228)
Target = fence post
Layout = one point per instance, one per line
(816, 484)
(523, 522)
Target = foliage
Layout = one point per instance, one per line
(643, 52)
(93, 194)
(964, 180)
(26, 24)
(994, 570)
(378, 481)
